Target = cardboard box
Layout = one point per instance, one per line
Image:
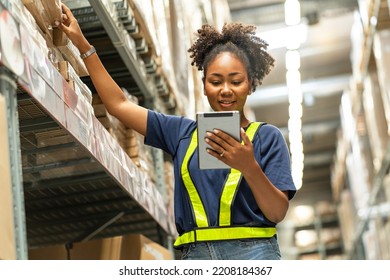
(36, 9)
(127, 247)
(348, 219)
(67, 71)
(97, 249)
(7, 234)
(314, 256)
(375, 117)
(72, 54)
(53, 10)
(382, 57)
(139, 247)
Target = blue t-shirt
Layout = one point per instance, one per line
(173, 135)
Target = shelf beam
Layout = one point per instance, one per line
(66, 181)
(37, 124)
(57, 164)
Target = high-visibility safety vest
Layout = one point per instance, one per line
(225, 231)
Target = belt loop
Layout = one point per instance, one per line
(195, 237)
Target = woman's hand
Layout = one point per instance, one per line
(72, 29)
(229, 150)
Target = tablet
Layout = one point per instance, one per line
(227, 121)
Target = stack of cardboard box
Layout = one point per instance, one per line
(126, 247)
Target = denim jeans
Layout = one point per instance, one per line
(248, 249)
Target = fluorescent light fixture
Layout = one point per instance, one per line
(293, 79)
(293, 60)
(292, 12)
(295, 113)
(291, 38)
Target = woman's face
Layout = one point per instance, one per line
(226, 84)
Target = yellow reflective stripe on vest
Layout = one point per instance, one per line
(223, 233)
(229, 190)
(230, 187)
(197, 205)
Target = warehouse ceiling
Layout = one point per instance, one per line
(325, 74)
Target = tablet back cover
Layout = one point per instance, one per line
(228, 122)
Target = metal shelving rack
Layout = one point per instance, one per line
(379, 8)
(86, 195)
(322, 248)
(115, 33)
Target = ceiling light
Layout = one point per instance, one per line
(293, 60)
(293, 79)
(292, 12)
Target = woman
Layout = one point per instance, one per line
(222, 213)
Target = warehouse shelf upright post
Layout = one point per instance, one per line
(8, 90)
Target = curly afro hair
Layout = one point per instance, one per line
(238, 39)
